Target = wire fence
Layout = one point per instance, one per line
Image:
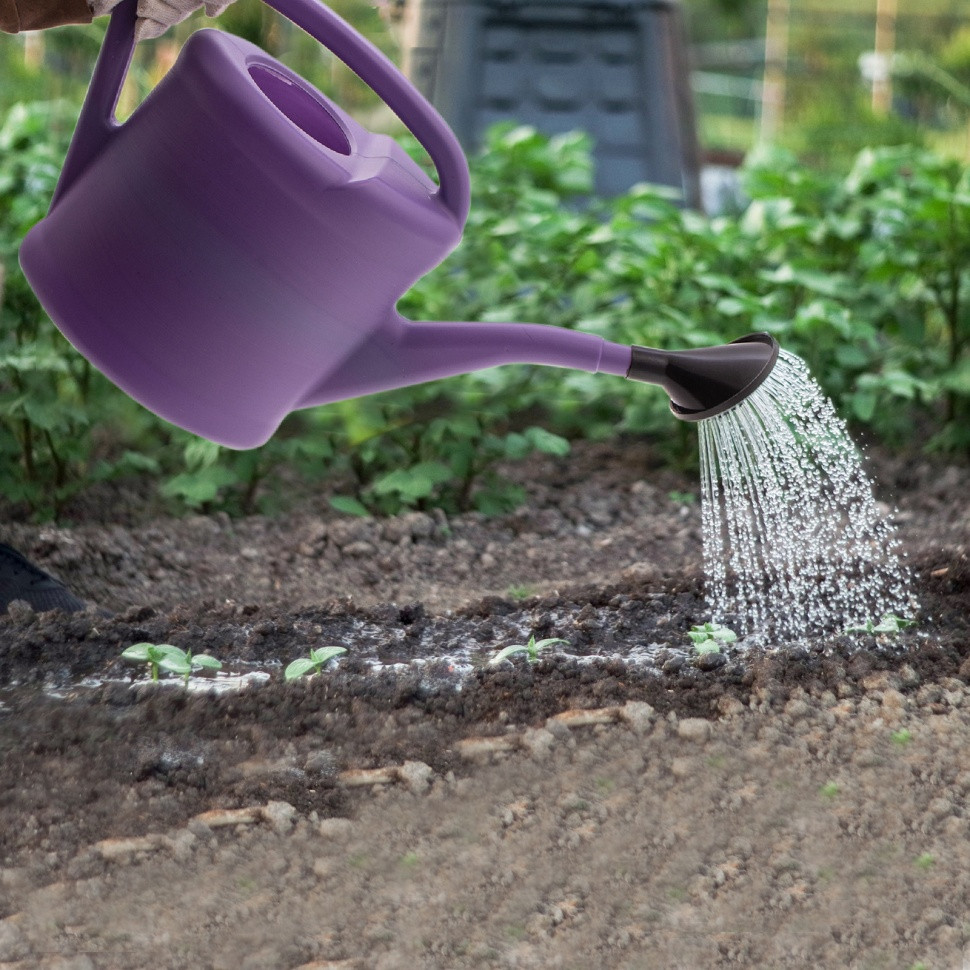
(861, 74)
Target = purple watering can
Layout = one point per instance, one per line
(234, 251)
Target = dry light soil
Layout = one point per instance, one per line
(621, 803)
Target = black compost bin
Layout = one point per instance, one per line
(615, 68)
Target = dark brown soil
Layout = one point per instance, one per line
(729, 822)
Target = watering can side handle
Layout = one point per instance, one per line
(96, 122)
(376, 70)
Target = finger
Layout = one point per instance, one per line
(164, 13)
(146, 29)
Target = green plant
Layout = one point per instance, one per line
(184, 662)
(710, 637)
(521, 591)
(902, 737)
(829, 790)
(890, 623)
(44, 421)
(174, 660)
(318, 658)
(925, 861)
(530, 649)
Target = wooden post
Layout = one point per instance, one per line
(33, 49)
(776, 67)
(885, 44)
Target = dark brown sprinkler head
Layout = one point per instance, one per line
(708, 380)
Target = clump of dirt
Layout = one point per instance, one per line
(620, 803)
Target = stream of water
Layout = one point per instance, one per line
(794, 542)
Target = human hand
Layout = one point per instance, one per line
(156, 16)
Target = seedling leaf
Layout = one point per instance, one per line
(322, 654)
(298, 668)
(507, 652)
(890, 623)
(176, 665)
(708, 637)
(349, 505)
(137, 652)
(706, 646)
(530, 649)
(316, 661)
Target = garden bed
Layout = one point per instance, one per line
(620, 803)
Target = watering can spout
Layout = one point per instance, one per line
(700, 383)
(406, 352)
(707, 381)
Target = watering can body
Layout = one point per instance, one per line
(239, 239)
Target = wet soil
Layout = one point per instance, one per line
(620, 803)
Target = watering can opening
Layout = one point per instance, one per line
(302, 108)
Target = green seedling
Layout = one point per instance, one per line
(183, 662)
(890, 623)
(314, 663)
(530, 649)
(902, 737)
(829, 790)
(164, 656)
(710, 637)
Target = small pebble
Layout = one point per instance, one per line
(694, 729)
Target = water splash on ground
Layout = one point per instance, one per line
(794, 542)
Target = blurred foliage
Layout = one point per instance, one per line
(57, 63)
(828, 115)
(865, 274)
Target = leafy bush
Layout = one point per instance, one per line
(867, 278)
(48, 393)
(864, 274)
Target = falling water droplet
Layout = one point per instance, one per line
(794, 543)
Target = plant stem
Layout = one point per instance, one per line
(28, 451)
(60, 473)
(952, 309)
(249, 495)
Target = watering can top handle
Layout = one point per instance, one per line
(97, 116)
